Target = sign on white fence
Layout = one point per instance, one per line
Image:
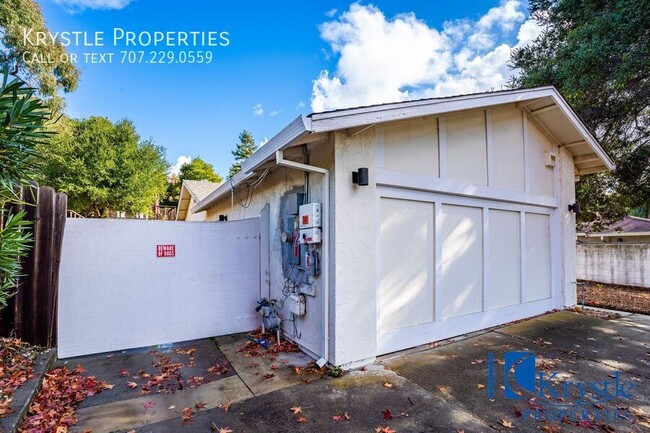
(116, 293)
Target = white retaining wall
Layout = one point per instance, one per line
(114, 293)
(627, 264)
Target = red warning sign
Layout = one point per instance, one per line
(165, 250)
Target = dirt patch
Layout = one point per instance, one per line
(614, 296)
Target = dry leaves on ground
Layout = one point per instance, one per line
(53, 408)
(16, 361)
(617, 297)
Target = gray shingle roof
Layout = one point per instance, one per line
(630, 224)
(200, 189)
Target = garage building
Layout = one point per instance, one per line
(465, 221)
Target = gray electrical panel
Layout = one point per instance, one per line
(294, 201)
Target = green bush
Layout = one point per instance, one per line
(22, 121)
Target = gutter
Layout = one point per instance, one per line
(280, 161)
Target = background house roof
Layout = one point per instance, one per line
(200, 189)
(630, 225)
(192, 192)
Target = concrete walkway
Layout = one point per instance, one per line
(444, 388)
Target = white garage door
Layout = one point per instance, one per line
(451, 265)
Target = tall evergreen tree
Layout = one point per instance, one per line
(244, 149)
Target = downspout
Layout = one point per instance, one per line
(279, 160)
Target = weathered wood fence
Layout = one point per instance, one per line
(31, 313)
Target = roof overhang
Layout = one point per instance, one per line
(184, 202)
(611, 234)
(545, 106)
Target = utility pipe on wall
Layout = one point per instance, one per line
(279, 160)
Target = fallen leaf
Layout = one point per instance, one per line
(225, 406)
(149, 405)
(443, 389)
(387, 415)
(506, 424)
(132, 385)
(187, 414)
(296, 409)
(302, 419)
(225, 430)
(480, 386)
(124, 372)
(200, 405)
(343, 417)
(172, 407)
(388, 385)
(386, 429)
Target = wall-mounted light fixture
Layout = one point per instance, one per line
(223, 217)
(360, 177)
(575, 208)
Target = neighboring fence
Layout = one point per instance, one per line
(115, 293)
(31, 312)
(627, 264)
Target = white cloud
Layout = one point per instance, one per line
(92, 4)
(300, 105)
(330, 13)
(382, 60)
(274, 113)
(264, 141)
(176, 167)
(258, 110)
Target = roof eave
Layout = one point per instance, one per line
(299, 126)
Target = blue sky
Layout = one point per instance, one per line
(284, 61)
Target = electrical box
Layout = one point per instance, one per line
(551, 159)
(309, 215)
(294, 201)
(296, 304)
(311, 236)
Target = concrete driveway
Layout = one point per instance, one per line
(431, 389)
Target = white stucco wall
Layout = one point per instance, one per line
(355, 250)
(567, 229)
(627, 264)
(278, 182)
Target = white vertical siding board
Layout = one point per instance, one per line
(442, 147)
(486, 252)
(489, 153)
(437, 257)
(522, 254)
(524, 119)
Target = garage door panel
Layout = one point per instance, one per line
(538, 257)
(407, 273)
(461, 288)
(504, 259)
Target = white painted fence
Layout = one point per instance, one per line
(627, 264)
(115, 293)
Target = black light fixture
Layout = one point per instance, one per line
(223, 217)
(575, 208)
(360, 177)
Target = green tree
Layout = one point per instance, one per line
(198, 169)
(244, 149)
(20, 21)
(597, 54)
(104, 166)
(22, 120)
